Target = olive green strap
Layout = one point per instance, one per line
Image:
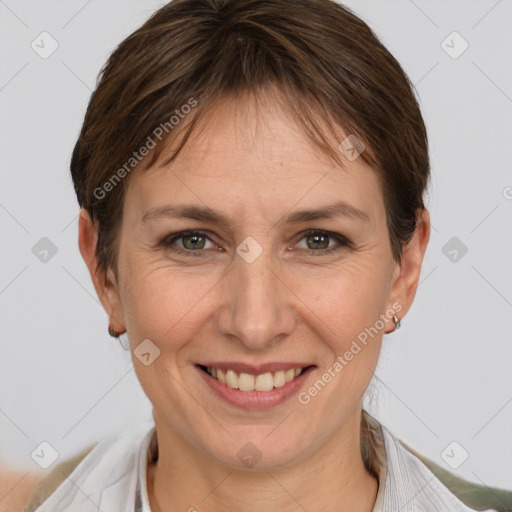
(475, 496)
(53, 479)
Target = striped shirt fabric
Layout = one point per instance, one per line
(405, 483)
(112, 477)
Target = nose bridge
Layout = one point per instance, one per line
(256, 309)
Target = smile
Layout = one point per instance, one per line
(250, 382)
(255, 387)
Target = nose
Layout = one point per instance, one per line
(257, 308)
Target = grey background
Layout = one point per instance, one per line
(445, 376)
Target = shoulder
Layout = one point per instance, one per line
(475, 496)
(103, 472)
(47, 485)
(426, 485)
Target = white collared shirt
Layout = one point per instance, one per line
(112, 478)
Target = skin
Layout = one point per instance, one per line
(15, 489)
(287, 305)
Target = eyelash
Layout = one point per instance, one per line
(343, 242)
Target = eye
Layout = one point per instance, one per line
(317, 242)
(194, 243)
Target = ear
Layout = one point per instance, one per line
(407, 273)
(105, 284)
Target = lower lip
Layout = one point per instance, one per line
(256, 399)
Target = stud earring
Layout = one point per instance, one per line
(113, 332)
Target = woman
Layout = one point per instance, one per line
(251, 177)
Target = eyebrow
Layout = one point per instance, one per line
(202, 213)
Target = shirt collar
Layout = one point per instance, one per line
(149, 451)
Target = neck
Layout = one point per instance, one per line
(334, 478)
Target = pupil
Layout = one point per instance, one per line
(316, 240)
(188, 237)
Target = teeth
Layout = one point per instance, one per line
(264, 382)
(248, 382)
(232, 379)
(279, 379)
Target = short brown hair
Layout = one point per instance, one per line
(327, 62)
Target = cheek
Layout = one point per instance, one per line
(346, 299)
(343, 310)
(163, 303)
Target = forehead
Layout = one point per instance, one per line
(253, 155)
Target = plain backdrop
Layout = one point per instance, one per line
(445, 377)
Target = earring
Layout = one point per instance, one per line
(113, 332)
(397, 324)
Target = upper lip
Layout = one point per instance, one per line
(255, 369)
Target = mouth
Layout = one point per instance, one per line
(253, 382)
(252, 387)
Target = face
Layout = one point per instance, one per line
(262, 292)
